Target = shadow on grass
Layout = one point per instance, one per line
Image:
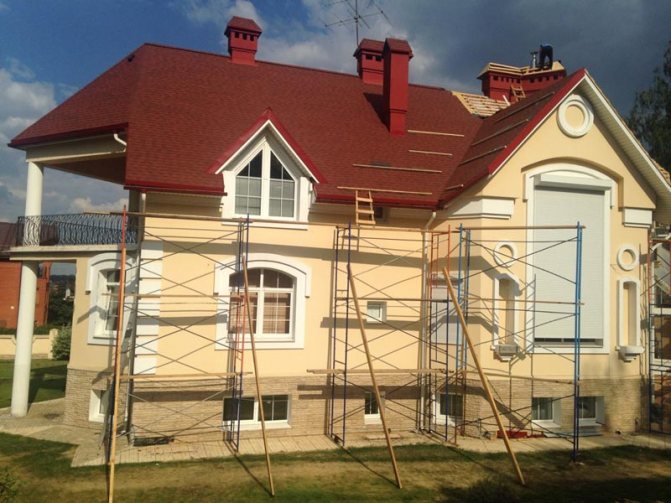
(244, 466)
(361, 462)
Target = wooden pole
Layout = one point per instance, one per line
(376, 390)
(259, 398)
(483, 377)
(117, 360)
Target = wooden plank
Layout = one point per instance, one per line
(259, 398)
(376, 390)
(185, 377)
(429, 152)
(377, 371)
(117, 362)
(397, 168)
(391, 191)
(483, 377)
(435, 133)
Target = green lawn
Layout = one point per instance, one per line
(430, 473)
(47, 380)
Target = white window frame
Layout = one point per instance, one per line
(633, 310)
(577, 177)
(553, 422)
(268, 139)
(96, 288)
(255, 422)
(98, 400)
(376, 312)
(373, 418)
(302, 276)
(442, 418)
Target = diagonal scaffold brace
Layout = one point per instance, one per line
(483, 378)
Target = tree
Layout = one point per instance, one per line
(650, 117)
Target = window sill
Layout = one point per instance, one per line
(102, 340)
(372, 420)
(272, 223)
(546, 424)
(253, 426)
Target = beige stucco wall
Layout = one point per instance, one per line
(548, 145)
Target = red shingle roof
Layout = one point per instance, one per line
(183, 110)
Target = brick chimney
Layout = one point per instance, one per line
(505, 82)
(396, 56)
(369, 61)
(243, 37)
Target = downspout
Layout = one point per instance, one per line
(426, 310)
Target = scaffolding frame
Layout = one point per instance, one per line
(658, 293)
(440, 367)
(126, 341)
(421, 249)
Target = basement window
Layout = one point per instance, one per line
(546, 411)
(450, 408)
(275, 409)
(376, 312)
(371, 409)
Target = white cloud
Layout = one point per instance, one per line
(23, 100)
(83, 204)
(3, 6)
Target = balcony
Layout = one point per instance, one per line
(74, 230)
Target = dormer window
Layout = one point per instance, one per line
(264, 187)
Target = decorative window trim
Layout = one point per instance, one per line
(496, 332)
(268, 139)
(626, 347)
(624, 265)
(575, 100)
(505, 259)
(574, 176)
(302, 276)
(95, 268)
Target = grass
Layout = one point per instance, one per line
(47, 380)
(430, 473)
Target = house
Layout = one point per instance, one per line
(11, 274)
(353, 203)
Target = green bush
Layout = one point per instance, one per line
(60, 348)
(8, 486)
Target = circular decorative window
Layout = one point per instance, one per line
(505, 253)
(627, 257)
(575, 116)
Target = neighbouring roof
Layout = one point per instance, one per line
(183, 111)
(519, 71)
(7, 237)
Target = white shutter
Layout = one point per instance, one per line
(554, 266)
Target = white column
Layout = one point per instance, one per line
(24, 339)
(27, 294)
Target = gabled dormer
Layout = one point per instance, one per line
(266, 175)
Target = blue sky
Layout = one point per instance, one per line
(51, 48)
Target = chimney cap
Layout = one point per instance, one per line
(243, 24)
(398, 45)
(369, 45)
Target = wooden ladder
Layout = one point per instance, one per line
(516, 93)
(364, 212)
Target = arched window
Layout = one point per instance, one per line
(264, 187)
(271, 294)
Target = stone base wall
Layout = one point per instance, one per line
(78, 387)
(194, 409)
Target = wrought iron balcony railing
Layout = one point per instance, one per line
(77, 229)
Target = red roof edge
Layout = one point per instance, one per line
(68, 135)
(170, 187)
(571, 82)
(378, 201)
(267, 115)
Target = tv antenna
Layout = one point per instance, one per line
(355, 16)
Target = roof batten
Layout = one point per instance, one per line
(429, 152)
(501, 131)
(437, 133)
(391, 191)
(484, 154)
(397, 168)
